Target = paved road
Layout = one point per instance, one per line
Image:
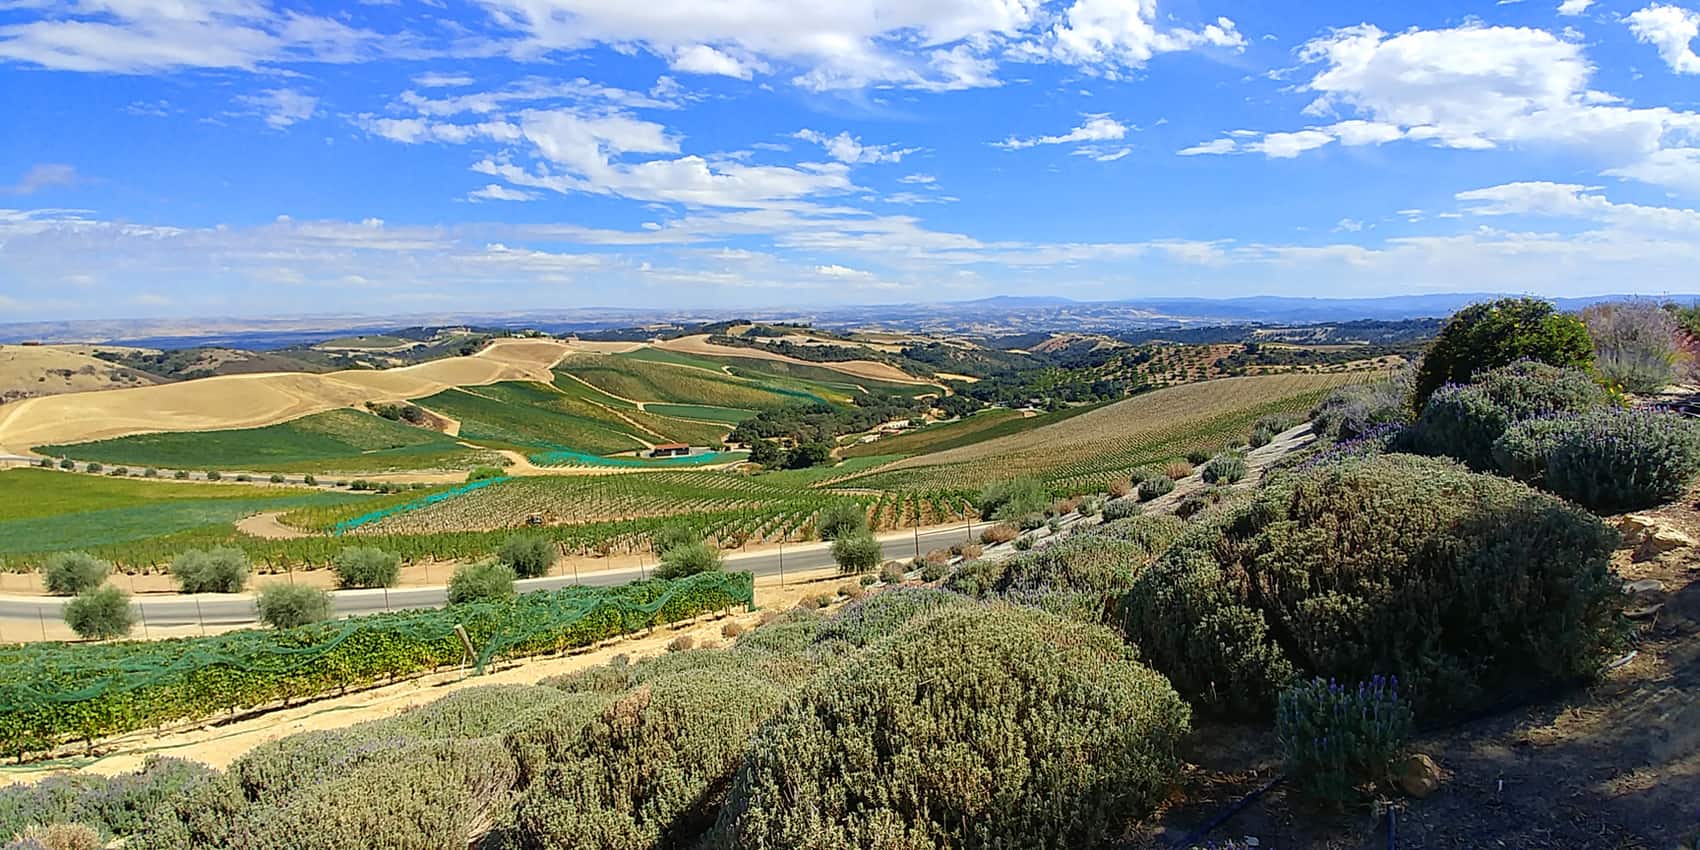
(19, 614)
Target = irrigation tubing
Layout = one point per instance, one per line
(1197, 835)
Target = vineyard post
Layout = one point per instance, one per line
(781, 560)
(200, 620)
(143, 613)
(43, 618)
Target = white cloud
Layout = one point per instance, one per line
(1672, 29)
(1567, 200)
(918, 179)
(136, 37)
(498, 192)
(438, 80)
(703, 59)
(1215, 146)
(44, 175)
(848, 149)
(1097, 128)
(1676, 168)
(1572, 8)
(936, 46)
(1475, 88)
(842, 272)
(282, 107)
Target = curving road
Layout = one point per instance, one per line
(29, 616)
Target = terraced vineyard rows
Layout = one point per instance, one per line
(646, 380)
(1090, 450)
(532, 415)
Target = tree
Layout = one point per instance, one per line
(1485, 336)
(528, 555)
(100, 614)
(671, 537)
(766, 453)
(220, 570)
(840, 519)
(484, 473)
(485, 581)
(71, 573)
(809, 455)
(1011, 501)
(366, 566)
(688, 560)
(285, 606)
(856, 553)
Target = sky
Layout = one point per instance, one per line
(167, 158)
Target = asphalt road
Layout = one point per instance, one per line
(218, 609)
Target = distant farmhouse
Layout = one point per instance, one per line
(670, 450)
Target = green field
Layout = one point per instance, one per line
(728, 415)
(44, 511)
(334, 441)
(646, 380)
(528, 416)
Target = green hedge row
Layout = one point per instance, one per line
(53, 693)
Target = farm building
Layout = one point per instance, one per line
(670, 450)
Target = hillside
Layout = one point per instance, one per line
(32, 371)
(252, 401)
(1090, 448)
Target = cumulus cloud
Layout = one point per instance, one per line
(1433, 86)
(1572, 8)
(848, 149)
(148, 37)
(1097, 128)
(1672, 29)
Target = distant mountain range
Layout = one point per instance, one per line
(995, 316)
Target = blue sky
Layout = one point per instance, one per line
(264, 157)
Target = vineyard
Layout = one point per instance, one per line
(639, 378)
(337, 440)
(1089, 450)
(54, 693)
(525, 416)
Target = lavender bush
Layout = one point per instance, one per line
(1612, 460)
(1337, 739)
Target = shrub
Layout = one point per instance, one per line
(652, 769)
(67, 463)
(481, 582)
(483, 473)
(214, 475)
(877, 617)
(150, 472)
(366, 566)
(681, 643)
(1121, 487)
(1464, 422)
(688, 560)
(1522, 451)
(1635, 345)
(731, 629)
(1467, 587)
(932, 571)
(59, 836)
(528, 555)
(1613, 460)
(1009, 501)
(1225, 468)
(1023, 544)
(285, 606)
(668, 536)
(1351, 411)
(1336, 739)
(219, 570)
(100, 614)
(892, 573)
(1176, 470)
(71, 573)
(1196, 457)
(1484, 336)
(840, 519)
(1200, 500)
(120, 472)
(244, 478)
(1118, 509)
(1154, 487)
(857, 553)
(276, 478)
(1000, 533)
(310, 480)
(892, 752)
(181, 475)
(1263, 431)
(94, 467)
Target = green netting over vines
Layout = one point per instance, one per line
(53, 693)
